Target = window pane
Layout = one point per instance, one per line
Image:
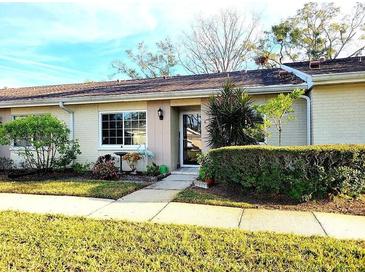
(142, 124)
(142, 115)
(135, 124)
(120, 124)
(113, 141)
(113, 133)
(134, 115)
(111, 116)
(127, 124)
(120, 141)
(120, 133)
(118, 116)
(138, 136)
(105, 125)
(127, 116)
(127, 133)
(105, 141)
(104, 117)
(127, 141)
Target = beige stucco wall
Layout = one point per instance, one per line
(204, 117)
(338, 113)
(159, 132)
(295, 131)
(162, 135)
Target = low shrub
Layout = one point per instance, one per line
(205, 170)
(81, 168)
(105, 168)
(302, 172)
(153, 170)
(68, 153)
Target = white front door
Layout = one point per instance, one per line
(190, 138)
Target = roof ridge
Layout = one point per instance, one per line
(215, 74)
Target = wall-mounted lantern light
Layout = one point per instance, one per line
(160, 113)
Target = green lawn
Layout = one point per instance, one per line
(193, 196)
(32, 242)
(87, 188)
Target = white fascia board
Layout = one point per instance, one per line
(184, 94)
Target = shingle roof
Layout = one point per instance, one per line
(250, 78)
(351, 64)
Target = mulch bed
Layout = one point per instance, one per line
(68, 174)
(31, 175)
(141, 177)
(335, 205)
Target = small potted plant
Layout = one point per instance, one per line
(209, 177)
(132, 159)
(206, 172)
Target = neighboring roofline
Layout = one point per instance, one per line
(339, 78)
(328, 78)
(182, 94)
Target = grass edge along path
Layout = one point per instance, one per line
(81, 188)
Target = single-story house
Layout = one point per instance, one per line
(167, 115)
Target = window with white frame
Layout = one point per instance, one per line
(127, 128)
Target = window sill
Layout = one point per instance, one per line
(118, 148)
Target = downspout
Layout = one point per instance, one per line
(308, 100)
(72, 124)
(309, 81)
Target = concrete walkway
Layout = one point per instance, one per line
(154, 204)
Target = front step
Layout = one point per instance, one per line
(186, 171)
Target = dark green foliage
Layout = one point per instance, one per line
(205, 170)
(232, 118)
(6, 164)
(68, 153)
(153, 170)
(43, 141)
(303, 172)
(81, 168)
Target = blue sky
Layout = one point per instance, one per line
(52, 43)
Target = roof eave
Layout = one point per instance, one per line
(339, 78)
(181, 94)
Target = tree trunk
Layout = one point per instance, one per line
(280, 136)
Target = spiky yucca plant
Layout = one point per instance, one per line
(233, 120)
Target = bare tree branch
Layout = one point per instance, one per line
(219, 43)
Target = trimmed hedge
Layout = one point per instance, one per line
(301, 172)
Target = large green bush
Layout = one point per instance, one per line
(301, 172)
(43, 141)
